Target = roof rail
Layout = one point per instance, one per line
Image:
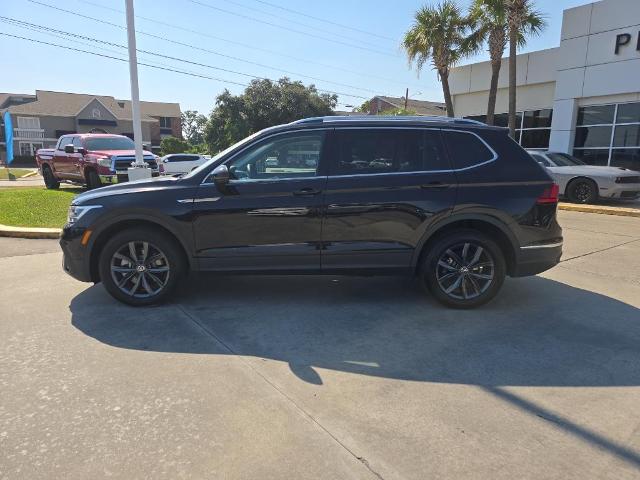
(384, 118)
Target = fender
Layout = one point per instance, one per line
(458, 217)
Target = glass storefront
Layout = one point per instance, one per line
(533, 127)
(609, 135)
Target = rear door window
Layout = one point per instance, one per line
(375, 151)
(466, 149)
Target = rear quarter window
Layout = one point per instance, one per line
(466, 149)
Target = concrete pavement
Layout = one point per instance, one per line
(326, 377)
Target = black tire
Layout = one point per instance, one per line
(50, 181)
(141, 288)
(582, 190)
(439, 271)
(93, 180)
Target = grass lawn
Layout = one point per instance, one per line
(16, 172)
(35, 207)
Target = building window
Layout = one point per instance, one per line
(165, 122)
(28, 149)
(533, 127)
(29, 123)
(609, 135)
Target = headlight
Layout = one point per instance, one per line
(105, 162)
(77, 211)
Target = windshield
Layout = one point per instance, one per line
(564, 160)
(110, 143)
(217, 157)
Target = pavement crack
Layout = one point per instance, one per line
(299, 408)
(601, 250)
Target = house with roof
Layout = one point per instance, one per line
(39, 120)
(379, 104)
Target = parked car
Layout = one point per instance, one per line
(452, 201)
(582, 183)
(180, 163)
(90, 159)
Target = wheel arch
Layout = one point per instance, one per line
(492, 227)
(103, 235)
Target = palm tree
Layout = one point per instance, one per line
(437, 34)
(488, 20)
(522, 21)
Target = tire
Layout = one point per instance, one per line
(456, 258)
(50, 180)
(582, 190)
(148, 281)
(93, 180)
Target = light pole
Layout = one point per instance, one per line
(138, 170)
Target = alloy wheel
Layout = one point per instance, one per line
(465, 271)
(583, 192)
(140, 269)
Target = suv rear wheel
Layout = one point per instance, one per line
(141, 266)
(463, 269)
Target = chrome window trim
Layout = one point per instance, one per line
(372, 127)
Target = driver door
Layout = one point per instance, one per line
(268, 216)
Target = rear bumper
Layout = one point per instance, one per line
(534, 259)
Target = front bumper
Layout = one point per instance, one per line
(120, 177)
(621, 190)
(75, 257)
(534, 259)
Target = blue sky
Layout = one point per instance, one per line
(358, 65)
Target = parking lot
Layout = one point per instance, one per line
(326, 377)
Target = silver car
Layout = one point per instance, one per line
(582, 183)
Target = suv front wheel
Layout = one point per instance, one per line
(463, 269)
(141, 266)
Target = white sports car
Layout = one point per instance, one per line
(582, 183)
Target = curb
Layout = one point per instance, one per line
(25, 232)
(601, 209)
(30, 174)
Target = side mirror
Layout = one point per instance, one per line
(81, 150)
(221, 176)
(69, 148)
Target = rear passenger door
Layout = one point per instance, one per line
(385, 186)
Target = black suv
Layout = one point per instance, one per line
(455, 202)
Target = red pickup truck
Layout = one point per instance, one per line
(90, 159)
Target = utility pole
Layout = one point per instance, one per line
(139, 171)
(406, 99)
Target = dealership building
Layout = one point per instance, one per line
(582, 97)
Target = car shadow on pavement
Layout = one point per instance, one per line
(538, 332)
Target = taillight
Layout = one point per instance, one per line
(550, 195)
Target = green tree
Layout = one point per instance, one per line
(488, 20)
(364, 108)
(193, 125)
(522, 21)
(438, 35)
(396, 112)
(264, 103)
(170, 145)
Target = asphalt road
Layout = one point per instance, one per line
(326, 377)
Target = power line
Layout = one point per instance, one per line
(297, 12)
(233, 42)
(248, 17)
(306, 25)
(149, 52)
(213, 52)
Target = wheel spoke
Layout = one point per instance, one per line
(465, 292)
(153, 277)
(132, 251)
(124, 258)
(476, 256)
(158, 270)
(444, 264)
(145, 251)
(454, 285)
(123, 269)
(475, 286)
(136, 284)
(448, 276)
(481, 275)
(465, 252)
(454, 257)
(126, 278)
(145, 284)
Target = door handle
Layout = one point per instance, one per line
(435, 185)
(306, 192)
